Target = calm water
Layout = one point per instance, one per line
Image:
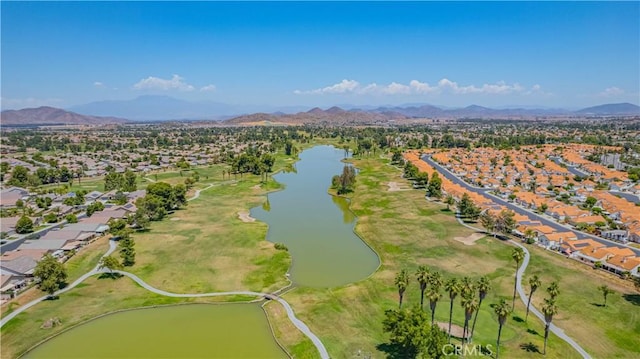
(315, 226)
(186, 331)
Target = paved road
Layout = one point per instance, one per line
(523, 296)
(634, 198)
(112, 247)
(544, 220)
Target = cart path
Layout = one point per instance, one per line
(523, 296)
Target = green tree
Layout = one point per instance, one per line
(605, 290)
(111, 263)
(19, 176)
(518, 256)
(452, 286)
(127, 250)
(549, 309)
(113, 180)
(434, 189)
(502, 310)
(411, 335)
(422, 275)
(180, 195)
(116, 225)
(51, 274)
(51, 218)
(401, 281)
(505, 222)
(590, 202)
(488, 221)
(71, 218)
(534, 284)
(484, 286)
(450, 201)
(129, 181)
(24, 225)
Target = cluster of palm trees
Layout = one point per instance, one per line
(431, 284)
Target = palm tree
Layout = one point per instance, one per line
(433, 294)
(553, 290)
(467, 287)
(470, 305)
(518, 256)
(402, 281)
(435, 282)
(422, 275)
(529, 234)
(534, 283)
(502, 310)
(483, 288)
(549, 309)
(453, 287)
(605, 292)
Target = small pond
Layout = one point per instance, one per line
(183, 331)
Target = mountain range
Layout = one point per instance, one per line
(160, 108)
(52, 116)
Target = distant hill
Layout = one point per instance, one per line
(334, 116)
(161, 108)
(52, 116)
(611, 109)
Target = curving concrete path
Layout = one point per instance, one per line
(112, 247)
(523, 296)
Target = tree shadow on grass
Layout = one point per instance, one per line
(518, 319)
(599, 305)
(532, 331)
(530, 347)
(110, 276)
(632, 298)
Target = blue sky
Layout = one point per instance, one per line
(570, 54)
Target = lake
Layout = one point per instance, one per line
(316, 227)
(184, 331)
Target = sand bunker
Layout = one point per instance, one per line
(471, 239)
(175, 219)
(245, 217)
(394, 186)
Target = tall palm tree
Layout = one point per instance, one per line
(453, 287)
(435, 283)
(402, 281)
(483, 288)
(605, 292)
(502, 310)
(549, 309)
(534, 283)
(470, 305)
(467, 287)
(553, 290)
(422, 275)
(518, 256)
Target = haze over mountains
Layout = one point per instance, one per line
(161, 108)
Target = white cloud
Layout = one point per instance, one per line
(611, 92)
(98, 84)
(155, 83)
(19, 103)
(342, 87)
(416, 87)
(208, 88)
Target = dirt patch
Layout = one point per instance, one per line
(395, 186)
(175, 219)
(456, 330)
(256, 187)
(245, 217)
(471, 239)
